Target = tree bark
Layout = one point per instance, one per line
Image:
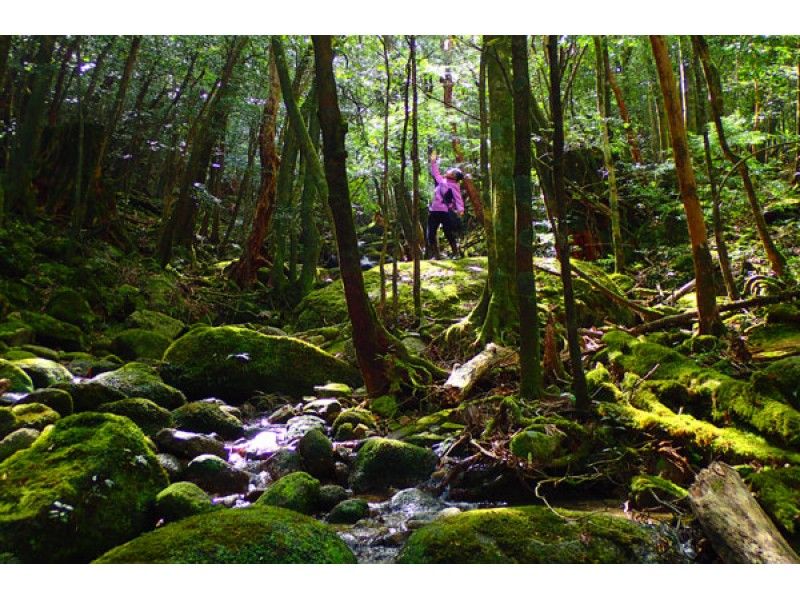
(464, 377)
(630, 133)
(737, 526)
(530, 366)
(579, 387)
(796, 174)
(710, 322)
(774, 256)
(415, 220)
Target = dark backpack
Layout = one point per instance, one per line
(447, 197)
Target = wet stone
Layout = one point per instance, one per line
(327, 409)
(189, 444)
(299, 426)
(282, 414)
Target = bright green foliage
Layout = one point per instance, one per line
(140, 344)
(140, 380)
(44, 372)
(297, 491)
(232, 363)
(383, 463)
(772, 341)
(778, 491)
(207, 418)
(83, 487)
(20, 381)
(143, 412)
(538, 535)
(248, 536)
(767, 413)
(181, 500)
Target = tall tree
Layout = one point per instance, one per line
(579, 388)
(415, 218)
(776, 259)
(710, 322)
(529, 361)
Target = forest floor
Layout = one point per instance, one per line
(235, 400)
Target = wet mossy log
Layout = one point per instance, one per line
(738, 528)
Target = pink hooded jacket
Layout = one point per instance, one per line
(442, 185)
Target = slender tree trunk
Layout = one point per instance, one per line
(244, 189)
(776, 259)
(97, 71)
(415, 223)
(579, 388)
(602, 69)
(63, 72)
(796, 174)
(384, 206)
(529, 360)
(710, 322)
(309, 235)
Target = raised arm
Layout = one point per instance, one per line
(435, 170)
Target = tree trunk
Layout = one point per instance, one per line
(530, 367)
(796, 174)
(384, 187)
(710, 322)
(776, 259)
(602, 69)
(737, 526)
(244, 271)
(579, 388)
(309, 233)
(244, 189)
(60, 87)
(415, 221)
(630, 133)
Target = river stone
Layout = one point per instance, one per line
(208, 418)
(316, 454)
(154, 321)
(181, 500)
(282, 463)
(248, 536)
(43, 372)
(16, 441)
(84, 486)
(88, 395)
(413, 501)
(299, 426)
(136, 344)
(34, 415)
(331, 495)
(282, 414)
(143, 412)
(327, 409)
(189, 444)
(297, 491)
(172, 465)
(140, 380)
(216, 476)
(58, 400)
(333, 390)
(233, 363)
(349, 511)
(382, 463)
(20, 381)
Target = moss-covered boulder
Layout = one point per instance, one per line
(140, 380)
(232, 363)
(34, 415)
(600, 386)
(154, 321)
(538, 535)
(768, 413)
(88, 395)
(136, 344)
(297, 491)
(54, 333)
(143, 412)
(208, 418)
(331, 495)
(353, 417)
(247, 536)
(189, 445)
(217, 476)
(43, 372)
(778, 491)
(16, 441)
(181, 500)
(70, 306)
(15, 332)
(382, 463)
(8, 421)
(55, 398)
(316, 454)
(552, 442)
(18, 379)
(83, 487)
(87, 366)
(349, 511)
(39, 351)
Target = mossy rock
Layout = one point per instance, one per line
(778, 491)
(208, 418)
(552, 442)
(316, 454)
(83, 487)
(143, 412)
(600, 386)
(137, 344)
(154, 321)
(15, 332)
(34, 415)
(189, 445)
(297, 491)
(216, 475)
(43, 352)
(17, 441)
(782, 375)
(353, 417)
(384, 406)
(54, 333)
(87, 366)
(349, 511)
(283, 462)
(382, 463)
(181, 500)
(43, 372)
(20, 381)
(537, 535)
(537, 447)
(331, 495)
(233, 363)
(140, 380)
(17, 354)
(88, 395)
(252, 535)
(70, 306)
(58, 400)
(8, 421)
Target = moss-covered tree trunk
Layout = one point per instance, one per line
(710, 322)
(776, 259)
(796, 175)
(415, 219)
(309, 232)
(601, 71)
(529, 360)
(562, 241)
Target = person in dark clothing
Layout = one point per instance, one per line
(445, 209)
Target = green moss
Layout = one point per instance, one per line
(536, 447)
(156, 322)
(43, 372)
(140, 380)
(140, 344)
(55, 398)
(8, 421)
(15, 332)
(20, 381)
(353, 417)
(784, 376)
(17, 441)
(233, 363)
(643, 485)
(17, 354)
(208, 418)
(778, 491)
(598, 382)
(34, 415)
(767, 413)
(54, 333)
(83, 487)
(252, 535)
(297, 491)
(537, 535)
(70, 306)
(43, 352)
(772, 341)
(216, 475)
(181, 500)
(349, 511)
(382, 463)
(316, 453)
(89, 395)
(552, 442)
(143, 412)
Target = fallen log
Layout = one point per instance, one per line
(464, 377)
(737, 526)
(686, 317)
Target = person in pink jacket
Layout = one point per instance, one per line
(445, 209)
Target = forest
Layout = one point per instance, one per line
(232, 331)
